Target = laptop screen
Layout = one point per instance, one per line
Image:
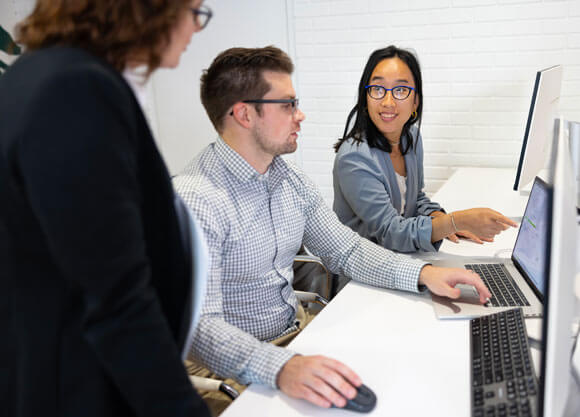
(531, 245)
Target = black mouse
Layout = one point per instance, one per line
(364, 401)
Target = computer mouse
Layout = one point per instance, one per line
(364, 401)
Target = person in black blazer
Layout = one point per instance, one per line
(95, 280)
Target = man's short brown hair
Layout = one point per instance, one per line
(238, 74)
(118, 31)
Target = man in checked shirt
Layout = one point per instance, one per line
(256, 210)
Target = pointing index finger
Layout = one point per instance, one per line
(506, 220)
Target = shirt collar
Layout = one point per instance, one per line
(243, 171)
(137, 80)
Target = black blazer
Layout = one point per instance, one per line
(94, 282)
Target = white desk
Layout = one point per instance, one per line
(482, 187)
(417, 365)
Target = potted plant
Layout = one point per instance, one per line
(7, 45)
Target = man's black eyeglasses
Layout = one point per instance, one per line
(292, 101)
(202, 16)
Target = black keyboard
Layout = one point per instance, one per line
(503, 382)
(504, 291)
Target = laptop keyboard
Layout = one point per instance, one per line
(503, 382)
(504, 291)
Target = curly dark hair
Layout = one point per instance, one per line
(115, 30)
(364, 128)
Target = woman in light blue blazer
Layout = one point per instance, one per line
(378, 169)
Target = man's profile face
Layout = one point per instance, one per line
(276, 130)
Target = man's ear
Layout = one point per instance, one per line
(242, 115)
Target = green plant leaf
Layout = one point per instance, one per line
(7, 44)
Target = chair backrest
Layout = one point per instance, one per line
(311, 275)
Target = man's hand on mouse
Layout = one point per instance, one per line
(442, 281)
(319, 380)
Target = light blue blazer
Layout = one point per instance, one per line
(367, 197)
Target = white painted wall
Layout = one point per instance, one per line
(183, 127)
(479, 59)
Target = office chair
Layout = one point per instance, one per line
(313, 275)
(313, 282)
(209, 384)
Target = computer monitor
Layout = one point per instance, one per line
(574, 139)
(538, 134)
(559, 303)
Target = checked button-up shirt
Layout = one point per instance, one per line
(254, 225)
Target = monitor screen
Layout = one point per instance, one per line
(560, 299)
(530, 248)
(538, 135)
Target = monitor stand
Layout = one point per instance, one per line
(544, 174)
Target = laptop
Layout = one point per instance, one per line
(519, 282)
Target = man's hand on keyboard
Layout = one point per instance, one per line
(442, 281)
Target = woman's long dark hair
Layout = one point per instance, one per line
(364, 128)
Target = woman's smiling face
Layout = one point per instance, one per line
(388, 114)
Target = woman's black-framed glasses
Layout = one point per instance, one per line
(399, 92)
(201, 16)
(293, 102)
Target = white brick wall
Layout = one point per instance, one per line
(479, 60)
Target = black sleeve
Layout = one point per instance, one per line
(79, 171)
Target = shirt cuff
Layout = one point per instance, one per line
(441, 209)
(265, 365)
(425, 230)
(407, 274)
